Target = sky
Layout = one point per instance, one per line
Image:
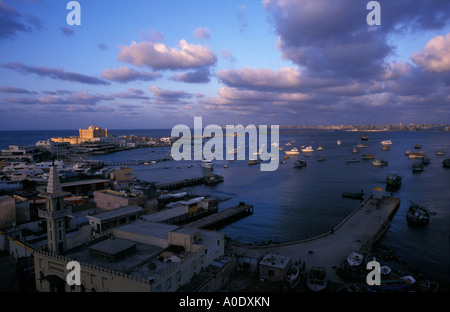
(156, 64)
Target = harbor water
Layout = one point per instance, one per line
(292, 204)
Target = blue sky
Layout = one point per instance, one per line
(155, 64)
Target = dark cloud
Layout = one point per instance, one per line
(5, 89)
(125, 74)
(12, 22)
(69, 32)
(202, 75)
(54, 73)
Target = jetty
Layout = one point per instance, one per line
(135, 163)
(221, 218)
(182, 183)
(357, 232)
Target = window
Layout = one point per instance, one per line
(271, 273)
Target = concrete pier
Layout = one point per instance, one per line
(366, 225)
(222, 217)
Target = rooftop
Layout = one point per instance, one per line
(275, 261)
(118, 212)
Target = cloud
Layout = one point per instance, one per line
(435, 56)
(5, 89)
(228, 55)
(159, 57)
(125, 74)
(170, 97)
(202, 75)
(54, 73)
(69, 32)
(151, 35)
(202, 33)
(12, 22)
(242, 18)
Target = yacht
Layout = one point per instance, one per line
(207, 164)
(307, 149)
(293, 151)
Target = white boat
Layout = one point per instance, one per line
(386, 142)
(338, 142)
(355, 259)
(307, 149)
(208, 164)
(320, 148)
(293, 276)
(317, 279)
(380, 163)
(293, 151)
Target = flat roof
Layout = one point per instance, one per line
(152, 229)
(115, 213)
(84, 182)
(165, 214)
(275, 261)
(112, 246)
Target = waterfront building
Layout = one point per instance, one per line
(106, 220)
(21, 152)
(121, 179)
(85, 135)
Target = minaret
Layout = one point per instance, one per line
(55, 213)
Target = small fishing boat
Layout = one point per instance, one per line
(393, 179)
(300, 163)
(367, 156)
(338, 142)
(355, 259)
(426, 160)
(355, 150)
(402, 282)
(365, 137)
(362, 145)
(417, 215)
(417, 167)
(321, 158)
(418, 155)
(441, 152)
(379, 163)
(353, 195)
(386, 142)
(385, 148)
(350, 160)
(407, 152)
(320, 148)
(307, 149)
(254, 161)
(446, 163)
(317, 279)
(213, 179)
(293, 276)
(417, 146)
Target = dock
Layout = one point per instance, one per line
(181, 183)
(221, 218)
(135, 163)
(357, 232)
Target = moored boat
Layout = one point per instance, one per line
(293, 276)
(385, 148)
(446, 163)
(426, 160)
(317, 279)
(349, 160)
(359, 195)
(386, 142)
(300, 163)
(365, 137)
(402, 282)
(367, 156)
(394, 179)
(355, 150)
(417, 167)
(293, 151)
(307, 149)
(380, 163)
(417, 146)
(417, 215)
(362, 145)
(441, 152)
(213, 179)
(254, 161)
(418, 155)
(208, 164)
(355, 259)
